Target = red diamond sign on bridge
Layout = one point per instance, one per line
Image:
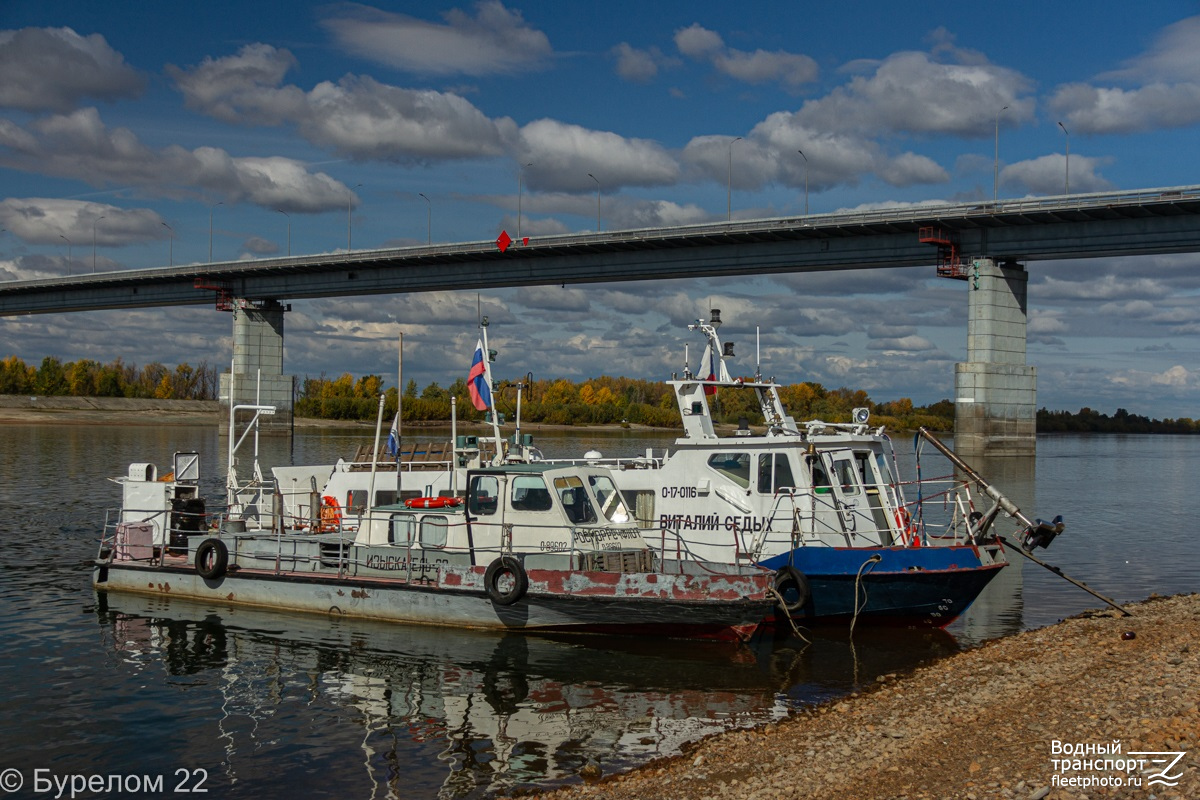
(504, 241)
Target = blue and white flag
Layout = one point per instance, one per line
(393, 442)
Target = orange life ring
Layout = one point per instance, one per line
(432, 502)
(906, 525)
(331, 514)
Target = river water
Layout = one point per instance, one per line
(253, 704)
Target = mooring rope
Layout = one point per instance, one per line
(783, 606)
(874, 559)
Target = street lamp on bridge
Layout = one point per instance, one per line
(729, 183)
(597, 180)
(171, 246)
(1067, 176)
(428, 219)
(94, 223)
(349, 223)
(520, 175)
(996, 162)
(68, 241)
(289, 219)
(801, 152)
(210, 216)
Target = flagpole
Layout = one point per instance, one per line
(400, 404)
(487, 376)
(375, 456)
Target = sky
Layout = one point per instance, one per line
(137, 135)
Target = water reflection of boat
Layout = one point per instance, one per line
(500, 711)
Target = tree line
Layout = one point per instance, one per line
(609, 400)
(85, 378)
(1090, 421)
(603, 400)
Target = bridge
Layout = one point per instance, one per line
(985, 243)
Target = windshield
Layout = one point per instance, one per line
(611, 503)
(574, 499)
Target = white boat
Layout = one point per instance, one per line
(531, 547)
(821, 506)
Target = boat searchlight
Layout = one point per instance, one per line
(861, 415)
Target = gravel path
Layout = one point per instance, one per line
(985, 723)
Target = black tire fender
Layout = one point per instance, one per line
(788, 579)
(212, 559)
(506, 565)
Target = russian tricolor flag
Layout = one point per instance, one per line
(477, 382)
(712, 372)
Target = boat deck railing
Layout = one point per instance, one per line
(302, 550)
(940, 514)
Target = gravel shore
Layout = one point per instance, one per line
(985, 723)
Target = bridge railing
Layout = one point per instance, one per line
(886, 215)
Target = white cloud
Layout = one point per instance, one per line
(1089, 109)
(841, 366)
(908, 169)
(1164, 93)
(1177, 376)
(1103, 287)
(657, 214)
(910, 92)
(1048, 174)
(639, 66)
(902, 344)
(790, 69)
(42, 220)
(696, 41)
(770, 153)
(256, 246)
(79, 146)
(241, 88)
(357, 116)
(52, 69)
(1174, 56)
(1044, 322)
(562, 155)
(495, 40)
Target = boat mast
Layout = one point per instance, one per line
(487, 376)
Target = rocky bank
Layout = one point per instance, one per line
(981, 724)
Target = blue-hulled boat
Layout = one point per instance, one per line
(821, 505)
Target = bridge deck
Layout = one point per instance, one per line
(1140, 222)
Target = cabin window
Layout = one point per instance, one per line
(611, 504)
(385, 497)
(733, 465)
(575, 500)
(774, 473)
(642, 502)
(400, 529)
(356, 501)
(484, 494)
(845, 471)
(433, 531)
(529, 493)
(820, 481)
(882, 464)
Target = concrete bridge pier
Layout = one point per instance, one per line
(995, 397)
(257, 376)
